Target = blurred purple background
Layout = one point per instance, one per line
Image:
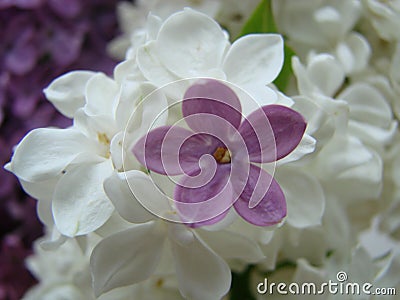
(40, 40)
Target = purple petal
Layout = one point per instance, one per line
(22, 58)
(66, 44)
(209, 96)
(207, 204)
(272, 132)
(173, 150)
(25, 4)
(66, 8)
(271, 208)
(193, 148)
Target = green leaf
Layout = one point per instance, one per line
(262, 21)
(284, 76)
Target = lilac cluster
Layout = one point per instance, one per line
(40, 40)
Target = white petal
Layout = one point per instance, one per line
(180, 234)
(118, 190)
(93, 126)
(201, 273)
(130, 95)
(304, 84)
(354, 53)
(148, 194)
(53, 241)
(323, 114)
(326, 73)
(54, 291)
(124, 69)
(153, 26)
(80, 204)
(118, 46)
(304, 196)
(389, 275)
(260, 94)
(341, 154)
(190, 43)
(361, 267)
(306, 146)
(230, 244)
(308, 273)
(151, 67)
(43, 210)
(40, 190)
(151, 110)
(126, 257)
(114, 224)
(367, 105)
(67, 93)
(45, 152)
(360, 182)
(373, 135)
(271, 250)
(101, 94)
(309, 243)
(350, 170)
(376, 242)
(394, 72)
(337, 227)
(254, 58)
(117, 151)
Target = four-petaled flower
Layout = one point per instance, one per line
(218, 156)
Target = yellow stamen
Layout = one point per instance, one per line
(102, 137)
(222, 155)
(159, 283)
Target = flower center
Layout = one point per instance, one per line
(105, 141)
(222, 155)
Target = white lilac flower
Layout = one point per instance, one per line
(361, 132)
(190, 44)
(151, 238)
(201, 273)
(384, 17)
(324, 27)
(358, 268)
(370, 114)
(158, 247)
(59, 272)
(132, 19)
(121, 228)
(65, 273)
(231, 14)
(66, 167)
(394, 76)
(75, 160)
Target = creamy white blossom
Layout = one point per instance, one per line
(113, 230)
(231, 14)
(251, 62)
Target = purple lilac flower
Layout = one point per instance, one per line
(41, 39)
(219, 156)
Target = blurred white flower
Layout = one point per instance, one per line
(324, 26)
(384, 17)
(190, 44)
(231, 14)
